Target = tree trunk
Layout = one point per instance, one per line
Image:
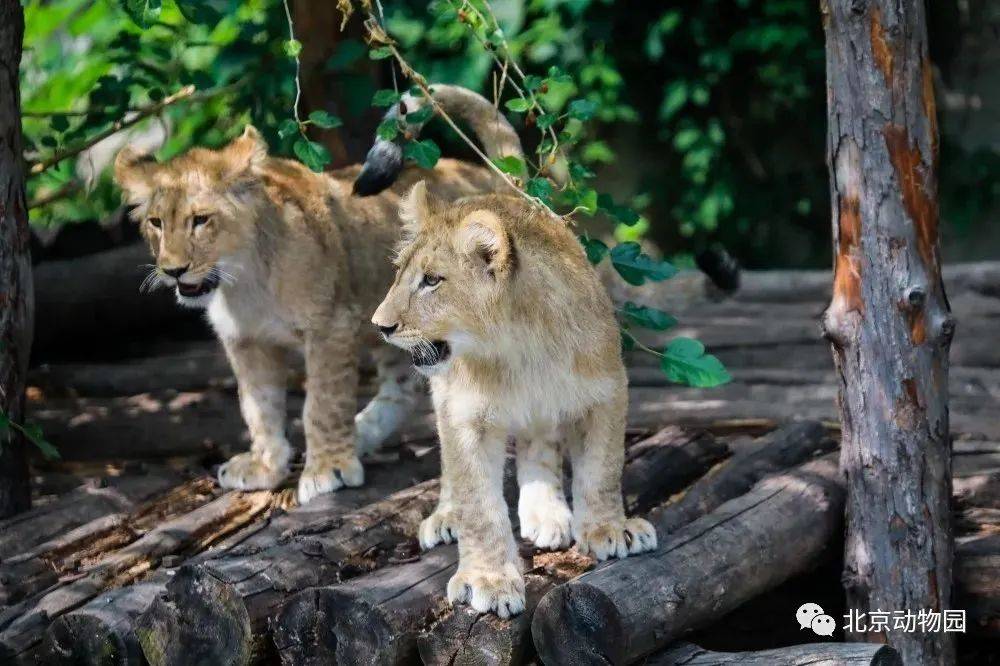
(16, 308)
(889, 321)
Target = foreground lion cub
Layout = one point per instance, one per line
(288, 261)
(499, 306)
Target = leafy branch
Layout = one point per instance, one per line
(32, 432)
(123, 123)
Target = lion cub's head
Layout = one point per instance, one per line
(453, 267)
(193, 210)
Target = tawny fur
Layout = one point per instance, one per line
(535, 353)
(300, 265)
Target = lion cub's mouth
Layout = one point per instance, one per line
(195, 290)
(425, 356)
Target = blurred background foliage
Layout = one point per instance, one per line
(709, 116)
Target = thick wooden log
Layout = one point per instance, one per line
(623, 611)
(41, 567)
(378, 617)
(889, 321)
(16, 302)
(811, 654)
(786, 447)
(101, 497)
(977, 585)
(113, 617)
(190, 532)
(100, 294)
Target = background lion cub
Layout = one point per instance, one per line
(501, 309)
(288, 261)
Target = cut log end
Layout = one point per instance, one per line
(85, 639)
(578, 624)
(198, 620)
(303, 631)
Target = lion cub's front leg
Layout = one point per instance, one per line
(331, 401)
(489, 574)
(261, 373)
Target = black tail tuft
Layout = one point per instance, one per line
(382, 167)
(720, 267)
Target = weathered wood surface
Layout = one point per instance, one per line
(16, 301)
(112, 617)
(889, 322)
(626, 610)
(96, 498)
(977, 582)
(786, 447)
(378, 617)
(812, 654)
(189, 532)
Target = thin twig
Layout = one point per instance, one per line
(66, 189)
(117, 126)
(298, 66)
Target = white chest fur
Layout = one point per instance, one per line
(236, 315)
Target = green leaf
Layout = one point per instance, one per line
(199, 11)
(380, 53)
(582, 109)
(60, 123)
(559, 76)
(325, 119)
(34, 434)
(518, 104)
(425, 153)
(647, 317)
(287, 128)
(292, 48)
(510, 164)
(685, 362)
(595, 248)
(385, 97)
(539, 187)
(421, 115)
(622, 214)
(546, 120)
(388, 129)
(532, 82)
(578, 171)
(674, 98)
(143, 13)
(313, 155)
(636, 267)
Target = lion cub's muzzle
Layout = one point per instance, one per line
(426, 356)
(206, 286)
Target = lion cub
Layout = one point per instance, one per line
(499, 307)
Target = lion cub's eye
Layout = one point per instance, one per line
(156, 222)
(199, 220)
(430, 280)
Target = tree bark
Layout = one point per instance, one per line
(889, 320)
(16, 303)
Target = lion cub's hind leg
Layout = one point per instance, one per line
(261, 372)
(599, 524)
(399, 391)
(542, 510)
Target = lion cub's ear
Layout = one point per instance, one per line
(134, 171)
(244, 152)
(484, 239)
(417, 207)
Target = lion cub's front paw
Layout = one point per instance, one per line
(545, 520)
(488, 590)
(327, 474)
(246, 471)
(616, 539)
(439, 527)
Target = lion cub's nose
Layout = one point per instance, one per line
(176, 272)
(387, 330)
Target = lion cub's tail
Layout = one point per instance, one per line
(385, 159)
